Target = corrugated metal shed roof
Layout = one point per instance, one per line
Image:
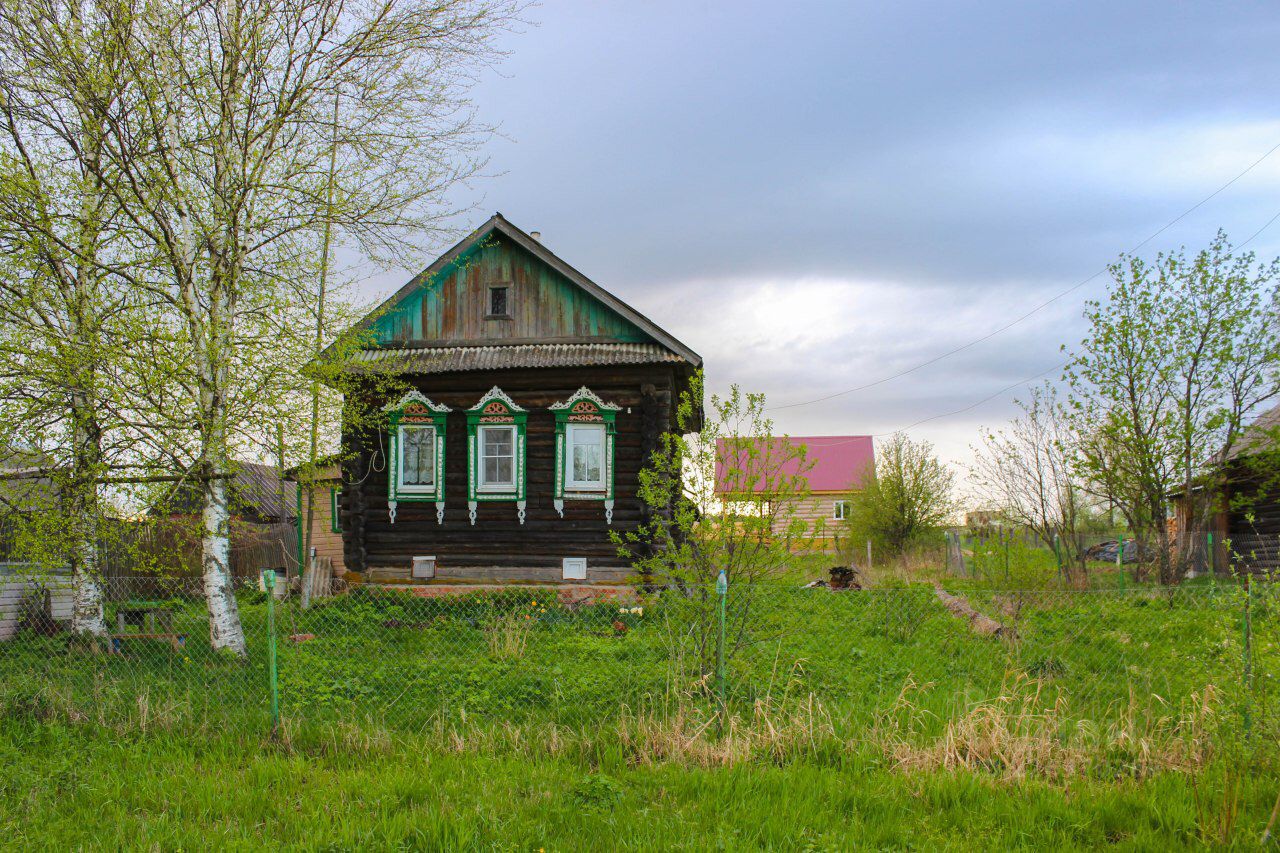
(452, 359)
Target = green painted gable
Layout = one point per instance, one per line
(450, 303)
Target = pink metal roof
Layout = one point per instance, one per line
(836, 463)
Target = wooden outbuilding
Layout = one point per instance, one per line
(528, 400)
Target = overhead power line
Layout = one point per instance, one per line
(972, 406)
(1049, 301)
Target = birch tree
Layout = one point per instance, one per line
(219, 163)
(63, 314)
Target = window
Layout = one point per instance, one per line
(335, 521)
(496, 452)
(839, 509)
(417, 458)
(498, 306)
(585, 438)
(586, 458)
(497, 458)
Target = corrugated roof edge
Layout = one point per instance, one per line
(460, 359)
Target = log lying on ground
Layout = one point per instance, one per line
(978, 622)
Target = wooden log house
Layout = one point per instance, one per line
(534, 398)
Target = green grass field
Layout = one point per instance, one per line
(515, 721)
(69, 787)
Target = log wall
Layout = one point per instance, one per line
(497, 547)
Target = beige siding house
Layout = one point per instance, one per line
(835, 467)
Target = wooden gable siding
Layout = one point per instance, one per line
(451, 306)
(498, 547)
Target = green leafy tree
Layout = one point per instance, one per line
(1176, 358)
(246, 138)
(906, 496)
(721, 495)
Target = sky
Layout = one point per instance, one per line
(818, 195)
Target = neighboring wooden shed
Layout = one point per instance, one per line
(533, 399)
(326, 520)
(24, 586)
(263, 524)
(1243, 512)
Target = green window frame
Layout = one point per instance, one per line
(496, 414)
(335, 523)
(412, 413)
(586, 412)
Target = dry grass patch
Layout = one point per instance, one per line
(1022, 734)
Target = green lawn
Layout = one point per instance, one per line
(513, 721)
(63, 788)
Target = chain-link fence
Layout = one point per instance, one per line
(1018, 555)
(404, 660)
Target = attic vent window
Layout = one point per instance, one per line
(498, 306)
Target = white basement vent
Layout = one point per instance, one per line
(424, 567)
(575, 568)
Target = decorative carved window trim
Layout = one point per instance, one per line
(496, 409)
(586, 408)
(415, 410)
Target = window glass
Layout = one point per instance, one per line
(497, 456)
(839, 510)
(586, 456)
(498, 301)
(417, 456)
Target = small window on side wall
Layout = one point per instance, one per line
(839, 510)
(335, 503)
(499, 299)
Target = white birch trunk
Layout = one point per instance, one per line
(225, 630)
(87, 614)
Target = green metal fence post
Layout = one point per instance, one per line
(1057, 552)
(722, 591)
(1211, 557)
(269, 582)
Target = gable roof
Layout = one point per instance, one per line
(499, 224)
(835, 463)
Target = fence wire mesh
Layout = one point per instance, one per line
(406, 660)
(1018, 554)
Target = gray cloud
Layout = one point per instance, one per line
(815, 195)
